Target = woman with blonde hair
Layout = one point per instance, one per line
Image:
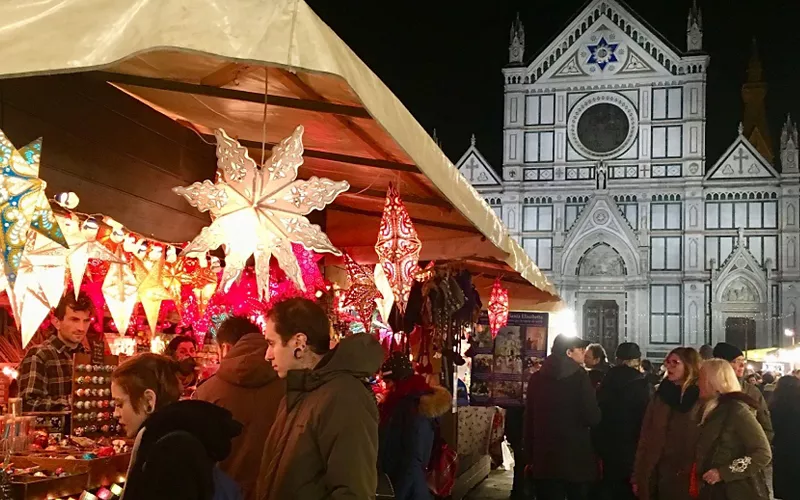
(732, 449)
(666, 449)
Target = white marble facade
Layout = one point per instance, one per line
(605, 184)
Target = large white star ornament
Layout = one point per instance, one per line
(261, 211)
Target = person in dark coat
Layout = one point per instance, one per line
(623, 397)
(406, 431)
(177, 443)
(247, 386)
(786, 454)
(560, 410)
(596, 361)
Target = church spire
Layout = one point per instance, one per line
(790, 155)
(694, 29)
(754, 92)
(516, 47)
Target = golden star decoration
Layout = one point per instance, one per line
(172, 277)
(83, 245)
(120, 291)
(362, 292)
(151, 289)
(261, 211)
(204, 281)
(40, 283)
(23, 203)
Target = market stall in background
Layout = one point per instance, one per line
(194, 173)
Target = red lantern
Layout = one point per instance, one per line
(498, 308)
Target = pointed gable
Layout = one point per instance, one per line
(741, 161)
(740, 278)
(606, 37)
(474, 167)
(600, 214)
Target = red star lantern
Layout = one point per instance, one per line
(398, 247)
(498, 308)
(362, 292)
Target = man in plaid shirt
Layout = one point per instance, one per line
(45, 374)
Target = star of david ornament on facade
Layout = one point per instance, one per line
(602, 53)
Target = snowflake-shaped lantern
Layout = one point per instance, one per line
(261, 211)
(498, 308)
(602, 53)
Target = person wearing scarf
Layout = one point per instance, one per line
(407, 427)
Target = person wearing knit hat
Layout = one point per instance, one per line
(406, 430)
(735, 357)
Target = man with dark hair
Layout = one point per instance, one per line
(249, 388)
(183, 349)
(706, 352)
(45, 374)
(596, 362)
(324, 443)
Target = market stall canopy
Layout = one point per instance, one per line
(257, 69)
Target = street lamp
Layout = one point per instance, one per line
(789, 333)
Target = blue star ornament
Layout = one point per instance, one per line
(603, 53)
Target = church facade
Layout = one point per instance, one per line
(606, 185)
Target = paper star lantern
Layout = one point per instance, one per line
(40, 284)
(362, 292)
(173, 276)
(386, 300)
(203, 281)
(398, 247)
(498, 308)
(23, 203)
(83, 245)
(151, 289)
(261, 211)
(120, 292)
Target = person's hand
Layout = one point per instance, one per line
(712, 476)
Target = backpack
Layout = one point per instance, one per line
(225, 488)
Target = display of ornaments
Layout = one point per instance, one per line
(93, 408)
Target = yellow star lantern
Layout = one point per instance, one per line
(23, 203)
(120, 291)
(83, 245)
(39, 285)
(261, 211)
(151, 289)
(204, 281)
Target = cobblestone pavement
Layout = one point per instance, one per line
(496, 487)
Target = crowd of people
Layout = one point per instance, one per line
(702, 429)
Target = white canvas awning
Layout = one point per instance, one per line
(207, 64)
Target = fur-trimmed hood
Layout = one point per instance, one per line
(436, 403)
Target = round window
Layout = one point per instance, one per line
(603, 128)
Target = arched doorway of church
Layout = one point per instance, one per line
(601, 324)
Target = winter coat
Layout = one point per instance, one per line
(248, 387)
(762, 408)
(598, 373)
(669, 429)
(407, 434)
(786, 449)
(324, 443)
(561, 408)
(623, 397)
(178, 447)
(732, 441)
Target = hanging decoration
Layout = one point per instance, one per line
(23, 203)
(83, 245)
(362, 293)
(398, 247)
(386, 299)
(120, 291)
(498, 308)
(261, 211)
(151, 289)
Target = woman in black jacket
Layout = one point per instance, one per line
(785, 410)
(177, 443)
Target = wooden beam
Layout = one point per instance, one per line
(236, 95)
(408, 198)
(423, 222)
(226, 74)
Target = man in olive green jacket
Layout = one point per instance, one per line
(735, 357)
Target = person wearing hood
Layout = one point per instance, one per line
(560, 410)
(324, 443)
(177, 443)
(249, 388)
(407, 427)
(623, 397)
(735, 357)
(732, 449)
(665, 453)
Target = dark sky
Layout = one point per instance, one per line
(443, 59)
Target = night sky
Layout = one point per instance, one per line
(443, 59)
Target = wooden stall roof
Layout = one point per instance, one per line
(257, 69)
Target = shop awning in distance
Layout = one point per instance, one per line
(207, 65)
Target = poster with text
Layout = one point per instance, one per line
(501, 367)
